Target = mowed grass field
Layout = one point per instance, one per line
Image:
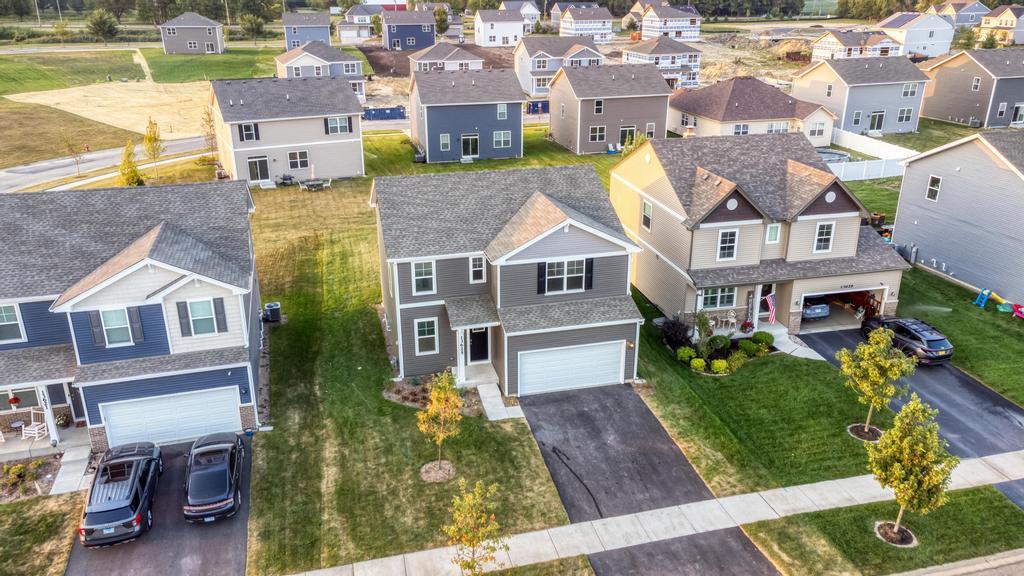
(48, 71)
(37, 534)
(930, 134)
(235, 63)
(880, 195)
(190, 170)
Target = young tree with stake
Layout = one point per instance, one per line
(874, 369)
(473, 529)
(440, 419)
(152, 144)
(71, 146)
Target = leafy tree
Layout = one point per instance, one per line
(441, 19)
(60, 30)
(252, 26)
(911, 459)
(377, 24)
(209, 128)
(440, 420)
(874, 369)
(18, 8)
(152, 144)
(128, 171)
(634, 143)
(990, 41)
(965, 38)
(473, 529)
(102, 24)
(70, 145)
(116, 7)
(702, 325)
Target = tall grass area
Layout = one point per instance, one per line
(32, 132)
(49, 71)
(235, 63)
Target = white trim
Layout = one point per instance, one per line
(468, 330)
(573, 257)
(636, 350)
(103, 417)
(565, 276)
(252, 400)
(629, 247)
(823, 216)
(257, 121)
(731, 223)
(621, 372)
(644, 203)
(213, 316)
(831, 237)
(167, 326)
(27, 385)
(433, 278)
(437, 335)
(483, 260)
(629, 275)
(928, 188)
(435, 257)
(735, 245)
(778, 236)
(315, 143)
(398, 322)
(965, 140)
(246, 331)
(81, 385)
(575, 327)
(660, 256)
(28, 300)
(422, 304)
(74, 339)
(127, 326)
(19, 322)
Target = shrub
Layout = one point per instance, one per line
(716, 343)
(719, 367)
(737, 360)
(748, 347)
(763, 350)
(762, 337)
(684, 354)
(698, 365)
(676, 333)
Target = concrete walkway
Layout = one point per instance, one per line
(789, 344)
(72, 477)
(677, 521)
(494, 405)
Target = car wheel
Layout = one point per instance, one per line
(149, 519)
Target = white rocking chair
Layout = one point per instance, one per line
(37, 429)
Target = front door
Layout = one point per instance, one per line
(877, 119)
(479, 348)
(626, 134)
(470, 145)
(766, 290)
(259, 169)
(1018, 114)
(209, 48)
(396, 44)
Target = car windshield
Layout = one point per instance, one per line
(108, 517)
(939, 344)
(209, 476)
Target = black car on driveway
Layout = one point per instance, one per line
(120, 504)
(914, 338)
(213, 477)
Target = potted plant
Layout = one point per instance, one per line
(14, 401)
(63, 420)
(747, 327)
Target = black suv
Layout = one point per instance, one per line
(213, 476)
(914, 338)
(120, 505)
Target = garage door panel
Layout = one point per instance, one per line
(573, 367)
(171, 418)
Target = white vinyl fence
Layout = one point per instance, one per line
(870, 146)
(867, 169)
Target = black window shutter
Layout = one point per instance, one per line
(96, 324)
(327, 128)
(218, 313)
(588, 274)
(542, 277)
(241, 132)
(349, 124)
(183, 319)
(256, 130)
(135, 322)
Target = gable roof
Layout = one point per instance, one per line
(499, 16)
(957, 7)
(400, 17)
(276, 98)
(1009, 144)
(439, 87)
(53, 240)
(617, 81)
(597, 13)
(900, 20)
(741, 98)
(556, 46)
(190, 19)
(463, 212)
(876, 70)
(563, 6)
(857, 38)
(1016, 9)
(306, 19)
(320, 50)
(444, 51)
(517, 5)
(364, 10)
(1000, 63)
(666, 11)
(661, 45)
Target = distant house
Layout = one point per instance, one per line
(531, 14)
(839, 44)
(444, 56)
(558, 8)
(191, 33)
(960, 14)
(636, 13)
(959, 211)
(388, 5)
(595, 23)
(598, 107)
(745, 105)
(537, 58)
(679, 63)
(925, 34)
(304, 127)
(866, 94)
(433, 6)
(302, 27)
(317, 59)
(980, 88)
(408, 30)
(466, 115)
(498, 28)
(678, 22)
(358, 22)
(1006, 23)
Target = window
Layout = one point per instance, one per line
(771, 234)
(338, 125)
(542, 83)
(295, 44)
(295, 29)
(209, 31)
(296, 71)
(649, 130)
(828, 90)
(502, 111)
(426, 336)
(10, 324)
(740, 129)
(28, 398)
(823, 236)
(425, 28)
(172, 31)
(561, 110)
(193, 45)
(778, 127)
(446, 142)
(931, 33)
(646, 215)
(727, 244)
(976, 84)
(1001, 112)
(934, 183)
(598, 106)
(298, 159)
(492, 38)
(817, 129)
(597, 133)
(565, 276)
(318, 70)
(540, 64)
(856, 118)
(594, 62)
(201, 316)
(719, 298)
(503, 139)
(423, 278)
(410, 41)
(909, 89)
(905, 115)
(394, 28)
(115, 327)
(477, 270)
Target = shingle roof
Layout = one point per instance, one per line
(190, 19)
(556, 46)
(599, 13)
(572, 313)
(270, 98)
(899, 20)
(1010, 144)
(160, 364)
(661, 45)
(537, 215)
(306, 19)
(444, 51)
(1002, 62)
(741, 98)
(1016, 9)
(855, 38)
(956, 6)
(391, 17)
(468, 311)
(873, 255)
(54, 239)
(320, 50)
(881, 70)
(616, 81)
(517, 4)
(563, 6)
(673, 11)
(468, 86)
(37, 364)
(499, 16)
(364, 10)
(456, 213)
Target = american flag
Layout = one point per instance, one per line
(770, 299)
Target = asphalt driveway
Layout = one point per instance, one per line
(174, 546)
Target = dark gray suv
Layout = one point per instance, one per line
(120, 504)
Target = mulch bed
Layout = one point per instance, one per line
(857, 431)
(904, 539)
(437, 472)
(418, 396)
(47, 473)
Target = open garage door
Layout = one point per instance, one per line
(583, 366)
(172, 418)
(842, 310)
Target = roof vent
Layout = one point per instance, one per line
(231, 102)
(632, 76)
(241, 102)
(705, 176)
(717, 182)
(287, 96)
(613, 76)
(473, 82)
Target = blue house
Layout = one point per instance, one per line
(408, 30)
(302, 27)
(465, 115)
(138, 318)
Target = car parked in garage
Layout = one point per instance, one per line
(120, 504)
(213, 477)
(914, 338)
(815, 308)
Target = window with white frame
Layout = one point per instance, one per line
(823, 236)
(410, 41)
(423, 278)
(201, 315)
(502, 111)
(477, 270)
(856, 117)
(598, 107)
(1001, 111)
(426, 336)
(28, 398)
(727, 244)
(976, 84)
(171, 31)
(541, 83)
(646, 215)
(318, 70)
(446, 142)
(209, 31)
(296, 71)
(817, 128)
(565, 276)
(540, 64)
(597, 133)
(193, 45)
(718, 298)
(904, 115)
(503, 139)
(778, 127)
(338, 125)
(561, 110)
(115, 327)
(649, 129)
(425, 28)
(295, 29)
(298, 159)
(828, 90)
(295, 43)
(740, 129)
(772, 232)
(909, 89)
(934, 183)
(10, 324)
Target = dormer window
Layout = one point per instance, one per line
(201, 314)
(10, 324)
(116, 330)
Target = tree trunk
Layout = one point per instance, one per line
(439, 455)
(899, 518)
(867, 423)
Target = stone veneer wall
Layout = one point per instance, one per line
(248, 414)
(98, 438)
(25, 415)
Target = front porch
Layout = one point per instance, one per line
(15, 448)
(474, 320)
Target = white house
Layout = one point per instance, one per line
(839, 44)
(680, 23)
(593, 22)
(498, 28)
(529, 10)
(925, 34)
(960, 14)
(677, 62)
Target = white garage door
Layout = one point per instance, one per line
(567, 368)
(172, 418)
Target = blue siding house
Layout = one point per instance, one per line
(302, 27)
(408, 30)
(139, 318)
(463, 115)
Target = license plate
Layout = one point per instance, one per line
(208, 519)
(108, 530)
(943, 352)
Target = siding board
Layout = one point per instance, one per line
(42, 327)
(155, 343)
(519, 283)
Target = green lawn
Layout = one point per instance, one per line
(49, 71)
(367, 68)
(37, 534)
(170, 173)
(930, 134)
(575, 566)
(973, 523)
(987, 343)
(235, 63)
(879, 195)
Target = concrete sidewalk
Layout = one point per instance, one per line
(72, 477)
(1002, 564)
(676, 521)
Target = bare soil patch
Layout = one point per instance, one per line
(902, 539)
(493, 57)
(42, 472)
(417, 395)
(437, 472)
(872, 434)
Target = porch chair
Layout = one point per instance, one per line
(730, 320)
(37, 428)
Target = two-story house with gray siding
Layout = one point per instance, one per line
(733, 226)
(136, 314)
(358, 24)
(960, 14)
(303, 27)
(191, 33)
(466, 115)
(516, 277)
(536, 59)
(839, 44)
(304, 127)
(598, 107)
(408, 30)
(880, 95)
(959, 211)
(444, 56)
(979, 88)
(316, 60)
